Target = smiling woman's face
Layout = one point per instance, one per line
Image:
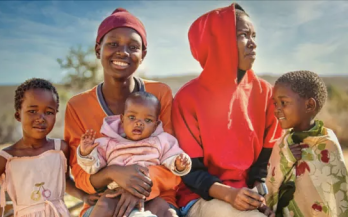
(120, 52)
(245, 42)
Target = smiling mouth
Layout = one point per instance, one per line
(281, 118)
(120, 64)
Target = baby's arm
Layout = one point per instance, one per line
(70, 184)
(173, 157)
(180, 165)
(87, 155)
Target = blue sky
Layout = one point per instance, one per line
(291, 35)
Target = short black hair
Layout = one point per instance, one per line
(307, 85)
(34, 83)
(239, 11)
(145, 96)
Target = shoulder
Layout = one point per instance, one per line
(330, 139)
(264, 84)
(157, 88)
(189, 89)
(150, 84)
(80, 99)
(64, 147)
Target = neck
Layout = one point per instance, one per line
(117, 90)
(33, 143)
(306, 126)
(240, 75)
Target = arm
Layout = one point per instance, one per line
(70, 184)
(198, 180)
(171, 164)
(89, 163)
(273, 131)
(3, 162)
(166, 99)
(91, 153)
(73, 130)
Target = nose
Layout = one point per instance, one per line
(252, 43)
(122, 51)
(139, 123)
(41, 118)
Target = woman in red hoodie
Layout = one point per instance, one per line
(224, 119)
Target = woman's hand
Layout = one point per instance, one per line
(244, 199)
(127, 202)
(134, 178)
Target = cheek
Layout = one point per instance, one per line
(136, 57)
(241, 44)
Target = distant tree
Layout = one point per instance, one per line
(83, 69)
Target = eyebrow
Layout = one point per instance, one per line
(35, 106)
(243, 30)
(118, 37)
(151, 116)
(280, 97)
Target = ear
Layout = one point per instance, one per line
(17, 116)
(144, 53)
(311, 105)
(97, 50)
(157, 123)
(122, 118)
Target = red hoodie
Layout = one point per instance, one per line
(216, 120)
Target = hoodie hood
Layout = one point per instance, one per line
(112, 127)
(213, 44)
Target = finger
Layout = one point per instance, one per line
(95, 145)
(124, 207)
(94, 197)
(141, 190)
(93, 136)
(143, 170)
(90, 134)
(242, 205)
(119, 205)
(113, 195)
(250, 203)
(140, 205)
(130, 208)
(268, 212)
(252, 194)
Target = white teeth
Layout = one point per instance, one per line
(119, 63)
(282, 118)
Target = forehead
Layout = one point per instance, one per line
(282, 89)
(124, 33)
(40, 97)
(244, 22)
(141, 105)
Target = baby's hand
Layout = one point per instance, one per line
(181, 162)
(87, 142)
